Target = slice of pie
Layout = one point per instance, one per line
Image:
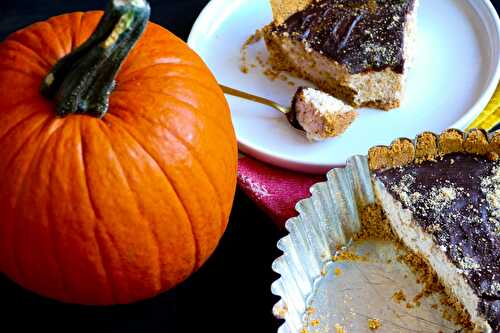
(356, 50)
(441, 195)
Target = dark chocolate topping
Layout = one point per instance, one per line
(456, 201)
(360, 34)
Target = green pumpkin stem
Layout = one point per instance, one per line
(82, 81)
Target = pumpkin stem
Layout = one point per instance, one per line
(82, 81)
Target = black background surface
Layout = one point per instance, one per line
(231, 293)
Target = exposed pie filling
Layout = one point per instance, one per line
(457, 201)
(360, 34)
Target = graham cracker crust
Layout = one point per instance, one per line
(429, 147)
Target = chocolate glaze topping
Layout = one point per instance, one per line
(454, 200)
(360, 34)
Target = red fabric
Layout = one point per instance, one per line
(274, 190)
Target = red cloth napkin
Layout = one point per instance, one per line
(276, 191)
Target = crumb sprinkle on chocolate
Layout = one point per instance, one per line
(491, 188)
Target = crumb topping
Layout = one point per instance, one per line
(402, 188)
(439, 197)
(467, 263)
(495, 287)
(491, 188)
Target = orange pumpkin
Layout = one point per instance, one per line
(127, 194)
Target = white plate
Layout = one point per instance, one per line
(456, 70)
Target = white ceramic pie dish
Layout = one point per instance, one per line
(456, 70)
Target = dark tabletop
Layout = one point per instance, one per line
(230, 292)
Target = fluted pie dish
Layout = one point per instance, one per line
(439, 200)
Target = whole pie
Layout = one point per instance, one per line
(356, 50)
(441, 195)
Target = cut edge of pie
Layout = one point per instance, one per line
(431, 147)
(382, 89)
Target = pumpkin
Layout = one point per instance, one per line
(118, 157)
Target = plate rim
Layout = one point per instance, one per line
(491, 22)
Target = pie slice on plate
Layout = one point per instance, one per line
(441, 195)
(356, 50)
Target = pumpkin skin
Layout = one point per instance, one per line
(119, 209)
